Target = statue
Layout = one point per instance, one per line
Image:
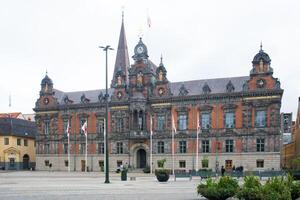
(139, 78)
(119, 80)
(160, 75)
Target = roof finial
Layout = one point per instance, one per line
(261, 46)
(122, 14)
(46, 71)
(161, 58)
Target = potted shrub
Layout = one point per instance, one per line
(277, 188)
(124, 174)
(162, 174)
(251, 190)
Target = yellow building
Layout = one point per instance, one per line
(17, 144)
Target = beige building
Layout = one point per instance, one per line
(17, 144)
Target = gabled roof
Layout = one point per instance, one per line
(17, 127)
(217, 85)
(12, 115)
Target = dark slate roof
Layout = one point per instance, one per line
(17, 127)
(217, 85)
(47, 80)
(92, 95)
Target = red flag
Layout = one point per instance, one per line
(84, 128)
(173, 124)
(198, 124)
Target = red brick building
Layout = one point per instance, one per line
(239, 118)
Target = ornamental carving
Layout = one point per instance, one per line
(183, 91)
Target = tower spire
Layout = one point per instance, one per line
(122, 59)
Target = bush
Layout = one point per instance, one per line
(277, 188)
(295, 190)
(251, 190)
(161, 163)
(226, 187)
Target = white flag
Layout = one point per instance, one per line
(84, 128)
(151, 132)
(173, 124)
(68, 129)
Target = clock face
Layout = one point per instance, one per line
(140, 49)
(46, 101)
(161, 91)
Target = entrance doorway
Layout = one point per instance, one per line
(25, 161)
(141, 158)
(82, 165)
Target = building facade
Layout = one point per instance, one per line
(239, 118)
(17, 144)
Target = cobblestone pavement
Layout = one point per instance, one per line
(75, 185)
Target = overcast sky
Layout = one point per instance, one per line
(198, 40)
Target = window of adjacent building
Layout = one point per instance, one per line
(205, 146)
(65, 148)
(229, 120)
(260, 145)
(160, 147)
(260, 120)
(82, 148)
(205, 121)
(119, 147)
(6, 141)
(182, 146)
(101, 148)
(160, 122)
(182, 120)
(100, 128)
(229, 146)
(25, 142)
(228, 164)
(182, 164)
(119, 125)
(82, 121)
(46, 127)
(66, 163)
(19, 142)
(47, 148)
(260, 163)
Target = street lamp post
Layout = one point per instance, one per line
(106, 48)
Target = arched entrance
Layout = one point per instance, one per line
(25, 161)
(141, 160)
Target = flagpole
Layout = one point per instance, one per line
(86, 149)
(68, 133)
(173, 147)
(104, 136)
(197, 151)
(151, 145)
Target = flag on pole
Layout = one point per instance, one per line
(149, 21)
(173, 124)
(198, 124)
(68, 129)
(151, 132)
(84, 128)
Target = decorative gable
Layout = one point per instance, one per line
(183, 91)
(83, 99)
(230, 87)
(206, 89)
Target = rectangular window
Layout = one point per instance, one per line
(25, 142)
(100, 128)
(229, 120)
(19, 142)
(65, 148)
(229, 146)
(101, 163)
(6, 141)
(260, 145)
(46, 127)
(160, 123)
(160, 147)
(101, 148)
(66, 163)
(205, 146)
(119, 125)
(182, 146)
(228, 164)
(182, 164)
(205, 121)
(82, 148)
(260, 163)
(119, 147)
(205, 163)
(47, 149)
(119, 163)
(260, 120)
(182, 122)
(47, 163)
